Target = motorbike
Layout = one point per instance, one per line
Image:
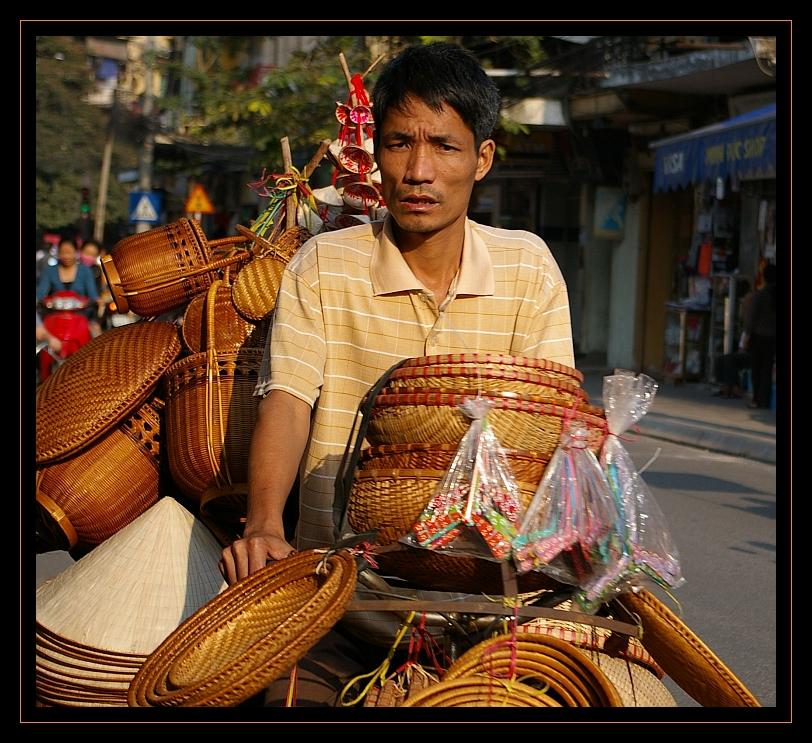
(65, 317)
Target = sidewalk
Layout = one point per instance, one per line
(689, 414)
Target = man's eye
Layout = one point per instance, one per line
(447, 148)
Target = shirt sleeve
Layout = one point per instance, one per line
(297, 346)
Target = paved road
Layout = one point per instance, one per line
(721, 511)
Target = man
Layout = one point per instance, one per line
(425, 281)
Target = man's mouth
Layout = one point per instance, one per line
(418, 199)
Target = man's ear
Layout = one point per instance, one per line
(484, 159)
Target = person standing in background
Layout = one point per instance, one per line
(759, 338)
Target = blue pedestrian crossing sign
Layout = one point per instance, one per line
(145, 206)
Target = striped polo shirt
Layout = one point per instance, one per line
(349, 307)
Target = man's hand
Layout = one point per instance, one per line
(251, 553)
(280, 436)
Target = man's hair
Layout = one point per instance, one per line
(439, 74)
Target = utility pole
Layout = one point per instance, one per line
(104, 176)
(145, 162)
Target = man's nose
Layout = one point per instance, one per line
(420, 167)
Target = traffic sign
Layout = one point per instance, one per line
(145, 206)
(199, 201)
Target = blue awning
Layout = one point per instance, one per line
(743, 146)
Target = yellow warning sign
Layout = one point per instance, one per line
(199, 201)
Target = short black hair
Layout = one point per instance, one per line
(439, 73)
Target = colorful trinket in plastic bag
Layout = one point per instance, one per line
(477, 505)
(646, 550)
(566, 529)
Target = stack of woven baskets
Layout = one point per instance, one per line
(144, 391)
(415, 425)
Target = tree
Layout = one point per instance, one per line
(70, 135)
(298, 100)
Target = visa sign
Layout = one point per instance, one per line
(674, 163)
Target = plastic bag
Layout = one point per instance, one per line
(477, 504)
(646, 549)
(565, 532)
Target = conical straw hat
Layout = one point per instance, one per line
(135, 588)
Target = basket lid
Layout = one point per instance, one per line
(256, 286)
(496, 359)
(101, 384)
(130, 592)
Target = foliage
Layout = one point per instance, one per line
(298, 100)
(70, 135)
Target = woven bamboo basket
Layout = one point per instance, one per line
(210, 417)
(632, 670)
(573, 679)
(480, 691)
(255, 288)
(249, 635)
(527, 466)
(435, 418)
(210, 414)
(102, 384)
(231, 330)
(90, 496)
(392, 500)
(499, 362)
(481, 378)
(155, 271)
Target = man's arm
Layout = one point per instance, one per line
(277, 445)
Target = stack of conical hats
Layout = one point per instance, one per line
(98, 620)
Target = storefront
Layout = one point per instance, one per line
(714, 199)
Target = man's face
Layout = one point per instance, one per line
(429, 166)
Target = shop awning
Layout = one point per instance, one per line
(743, 146)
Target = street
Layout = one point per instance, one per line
(721, 512)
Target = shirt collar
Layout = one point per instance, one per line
(390, 273)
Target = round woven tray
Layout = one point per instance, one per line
(100, 385)
(501, 361)
(249, 635)
(480, 691)
(210, 415)
(487, 379)
(91, 495)
(392, 500)
(435, 418)
(573, 679)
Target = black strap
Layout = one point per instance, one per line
(352, 452)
